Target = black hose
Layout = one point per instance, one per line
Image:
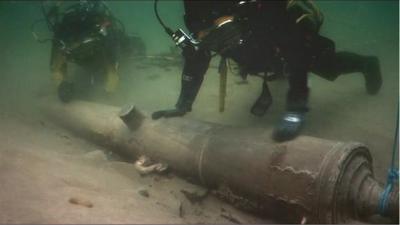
(167, 29)
(114, 18)
(50, 26)
(120, 24)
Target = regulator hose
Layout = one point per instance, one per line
(167, 29)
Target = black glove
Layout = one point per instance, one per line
(168, 113)
(289, 126)
(66, 91)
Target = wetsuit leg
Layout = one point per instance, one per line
(195, 67)
(58, 65)
(347, 62)
(297, 96)
(111, 55)
(293, 119)
(112, 78)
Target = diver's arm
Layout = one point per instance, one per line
(58, 64)
(195, 67)
(58, 67)
(52, 16)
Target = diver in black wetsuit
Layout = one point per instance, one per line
(257, 35)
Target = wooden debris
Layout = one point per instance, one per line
(144, 193)
(81, 202)
(231, 218)
(181, 212)
(195, 197)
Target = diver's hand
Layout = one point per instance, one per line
(168, 113)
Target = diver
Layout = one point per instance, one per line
(87, 33)
(265, 36)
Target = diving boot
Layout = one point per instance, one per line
(183, 106)
(263, 102)
(189, 89)
(289, 126)
(372, 75)
(292, 121)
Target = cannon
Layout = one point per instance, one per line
(312, 179)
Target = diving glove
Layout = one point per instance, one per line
(168, 113)
(66, 91)
(289, 126)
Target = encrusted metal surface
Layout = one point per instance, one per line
(321, 180)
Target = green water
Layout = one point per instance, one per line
(340, 110)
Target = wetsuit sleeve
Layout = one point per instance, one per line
(195, 66)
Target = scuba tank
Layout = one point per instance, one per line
(80, 27)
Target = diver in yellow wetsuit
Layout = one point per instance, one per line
(87, 34)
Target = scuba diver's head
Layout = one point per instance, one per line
(82, 28)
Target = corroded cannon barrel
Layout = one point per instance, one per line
(323, 181)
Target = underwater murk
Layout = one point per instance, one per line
(80, 141)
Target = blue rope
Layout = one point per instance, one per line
(393, 174)
(384, 198)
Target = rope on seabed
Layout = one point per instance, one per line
(393, 174)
